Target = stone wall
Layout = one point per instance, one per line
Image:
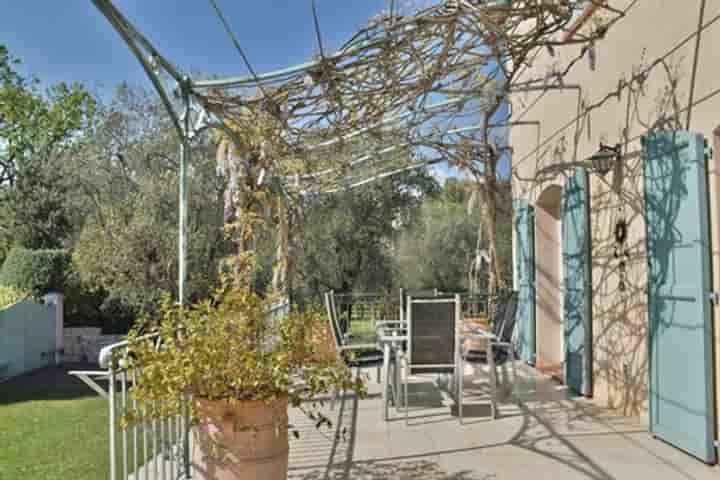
(83, 344)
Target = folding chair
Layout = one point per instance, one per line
(355, 355)
(502, 346)
(432, 327)
(420, 293)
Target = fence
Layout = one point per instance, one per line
(28, 337)
(157, 449)
(358, 312)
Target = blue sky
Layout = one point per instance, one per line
(69, 40)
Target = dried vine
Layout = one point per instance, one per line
(424, 84)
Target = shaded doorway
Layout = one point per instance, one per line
(548, 280)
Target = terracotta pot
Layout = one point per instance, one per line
(241, 440)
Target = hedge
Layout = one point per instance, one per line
(35, 271)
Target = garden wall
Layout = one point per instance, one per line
(28, 337)
(83, 344)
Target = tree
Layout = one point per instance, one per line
(39, 133)
(128, 243)
(439, 249)
(344, 241)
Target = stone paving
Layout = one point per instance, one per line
(547, 434)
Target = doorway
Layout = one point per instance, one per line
(548, 278)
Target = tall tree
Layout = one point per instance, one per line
(39, 133)
(440, 249)
(344, 240)
(128, 244)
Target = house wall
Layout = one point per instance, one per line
(642, 79)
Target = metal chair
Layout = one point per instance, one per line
(502, 345)
(432, 341)
(355, 355)
(417, 293)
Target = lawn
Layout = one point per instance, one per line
(52, 426)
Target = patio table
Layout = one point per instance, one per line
(488, 337)
(390, 339)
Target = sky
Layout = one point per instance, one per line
(69, 40)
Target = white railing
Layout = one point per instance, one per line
(157, 449)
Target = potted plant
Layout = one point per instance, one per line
(240, 372)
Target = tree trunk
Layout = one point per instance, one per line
(283, 266)
(490, 217)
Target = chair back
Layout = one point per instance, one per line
(332, 318)
(498, 317)
(432, 333)
(505, 333)
(415, 293)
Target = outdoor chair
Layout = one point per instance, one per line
(432, 326)
(355, 355)
(419, 293)
(503, 347)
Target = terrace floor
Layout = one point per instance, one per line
(547, 435)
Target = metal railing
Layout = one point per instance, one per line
(475, 304)
(358, 312)
(146, 448)
(157, 449)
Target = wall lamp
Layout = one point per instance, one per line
(603, 161)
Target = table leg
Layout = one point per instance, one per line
(386, 375)
(396, 378)
(493, 380)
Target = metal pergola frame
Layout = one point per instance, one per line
(181, 97)
(189, 117)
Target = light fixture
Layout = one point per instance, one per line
(602, 161)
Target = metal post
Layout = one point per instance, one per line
(182, 227)
(182, 244)
(111, 400)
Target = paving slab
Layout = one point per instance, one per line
(541, 432)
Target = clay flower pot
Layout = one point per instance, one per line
(241, 440)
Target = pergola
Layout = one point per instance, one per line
(422, 87)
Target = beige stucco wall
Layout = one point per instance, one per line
(656, 37)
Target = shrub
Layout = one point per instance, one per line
(35, 271)
(10, 296)
(228, 350)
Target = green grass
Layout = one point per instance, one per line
(52, 428)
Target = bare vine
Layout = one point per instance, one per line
(411, 81)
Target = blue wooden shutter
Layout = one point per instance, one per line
(577, 317)
(680, 332)
(525, 267)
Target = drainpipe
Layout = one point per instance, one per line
(695, 64)
(582, 20)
